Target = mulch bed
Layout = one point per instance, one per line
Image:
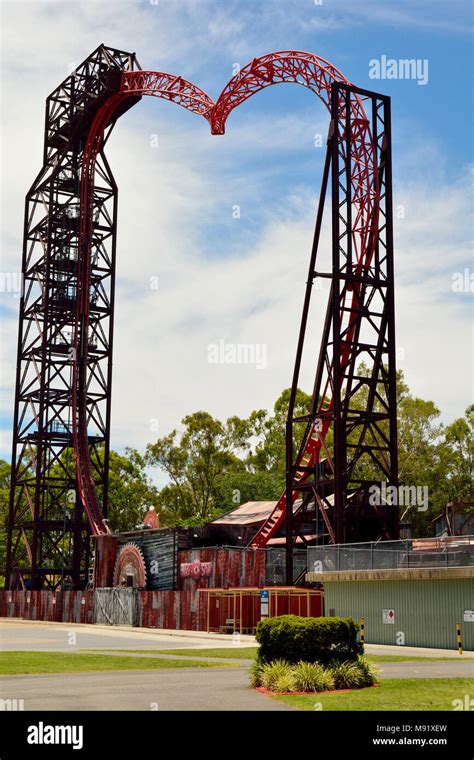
(298, 693)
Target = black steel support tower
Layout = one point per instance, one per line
(48, 535)
(363, 386)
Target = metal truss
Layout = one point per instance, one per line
(48, 538)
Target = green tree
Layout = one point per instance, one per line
(269, 431)
(131, 492)
(456, 460)
(237, 487)
(194, 462)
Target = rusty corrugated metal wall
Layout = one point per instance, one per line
(66, 606)
(170, 609)
(155, 609)
(185, 610)
(231, 568)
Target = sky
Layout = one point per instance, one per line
(224, 224)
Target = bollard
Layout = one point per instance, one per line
(362, 630)
(459, 637)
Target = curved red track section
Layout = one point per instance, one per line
(167, 87)
(297, 67)
(316, 74)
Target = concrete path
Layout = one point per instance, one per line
(434, 669)
(183, 689)
(390, 649)
(32, 636)
(41, 636)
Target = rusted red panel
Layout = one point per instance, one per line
(105, 554)
(174, 610)
(67, 606)
(186, 610)
(78, 607)
(230, 568)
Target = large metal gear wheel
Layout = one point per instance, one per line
(130, 568)
(151, 519)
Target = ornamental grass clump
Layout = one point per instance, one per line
(312, 677)
(279, 675)
(272, 671)
(347, 675)
(255, 674)
(285, 682)
(370, 672)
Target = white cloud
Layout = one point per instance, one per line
(238, 280)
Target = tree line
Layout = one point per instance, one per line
(212, 466)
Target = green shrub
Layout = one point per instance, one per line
(256, 674)
(369, 672)
(293, 638)
(312, 677)
(347, 675)
(272, 671)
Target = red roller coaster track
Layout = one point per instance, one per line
(297, 67)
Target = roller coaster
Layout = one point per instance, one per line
(347, 440)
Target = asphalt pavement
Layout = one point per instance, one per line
(183, 689)
(173, 689)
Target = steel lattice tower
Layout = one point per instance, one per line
(48, 537)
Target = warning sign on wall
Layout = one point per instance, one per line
(388, 616)
(469, 616)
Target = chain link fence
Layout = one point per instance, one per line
(275, 574)
(391, 555)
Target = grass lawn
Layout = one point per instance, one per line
(248, 653)
(233, 653)
(392, 694)
(14, 663)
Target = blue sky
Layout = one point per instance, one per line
(222, 278)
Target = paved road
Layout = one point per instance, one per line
(183, 689)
